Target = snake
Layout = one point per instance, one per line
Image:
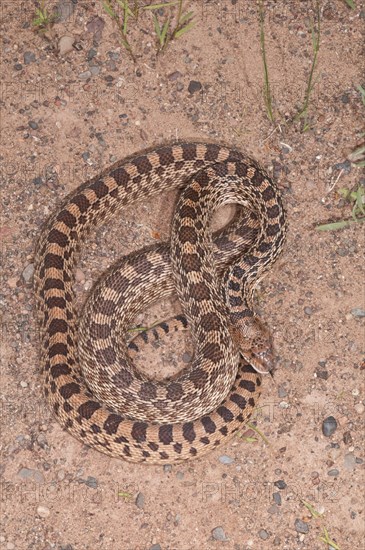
(180, 418)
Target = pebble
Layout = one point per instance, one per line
(91, 482)
(29, 57)
(263, 534)
(37, 181)
(308, 310)
(224, 459)
(85, 75)
(301, 526)
(347, 438)
(282, 392)
(194, 86)
(66, 547)
(33, 124)
(345, 166)
(186, 357)
(140, 501)
(277, 498)
(155, 547)
(18, 66)
(273, 509)
(219, 534)
(359, 408)
(79, 276)
(65, 44)
(28, 273)
(333, 473)
(10, 546)
(358, 312)
(180, 475)
(23, 384)
(329, 426)
(280, 484)
(349, 461)
(322, 374)
(64, 9)
(167, 468)
(174, 76)
(43, 511)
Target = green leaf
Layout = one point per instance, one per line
(187, 17)
(158, 6)
(157, 27)
(185, 29)
(108, 9)
(351, 4)
(338, 225)
(164, 31)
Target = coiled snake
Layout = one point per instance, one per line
(122, 412)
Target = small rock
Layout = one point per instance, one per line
(358, 312)
(37, 181)
(12, 282)
(91, 482)
(194, 86)
(359, 408)
(174, 76)
(85, 75)
(329, 426)
(18, 66)
(43, 511)
(140, 501)
(25, 473)
(29, 57)
(167, 468)
(263, 534)
(277, 498)
(96, 25)
(322, 374)
(273, 509)
(349, 461)
(66, 547)
(345, 98)
(224, 459)
(33, 124)
(63, 10)
(28, 273)
(301, 526)
(10, 546)
(308, 310)
(333, 473)
(345, 166)
(180, 475)
(282, 392)
(186, 357)
(155, 547)
(347, 438)
(65, 44)
(280, 484)
(23, 384)
(79, 276)
(219, 534)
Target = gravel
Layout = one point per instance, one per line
(29, 57)
(28, 273)
(329, 426)
(65, 44)
(140, 501)
(358, 312)
(277, 498)
(219, 534)
(349, 461)
(301, 526)
(194, 86)
(280, 484)
(43, 511)
(33, 124)
(224, 459)
(333, 473)
(263, 534)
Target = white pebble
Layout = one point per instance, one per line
(43, 511)
(79, 276)
(65, 44)
(359, 408)
(23, 384)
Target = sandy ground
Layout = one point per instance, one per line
(66, 117)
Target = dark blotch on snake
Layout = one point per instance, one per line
(147, 391)
(188, 431)
(123, 378)
(82, 202)
(153, 446)
(174, 391)
(200, 291)
(210, 321)
(57, 237)
(239, 400)
(53, 260)
(273, 211)
(225, 413)
(108, 356)
(248, 385)
(212, 352)
(121, 176)
(165, 155)
(57, 349)
(87, 409)
(111, 424)
(67, 218)
(142, 164)
(199, 378)
(99, 188)
(212, 152)
(208, 424)
(188, 151)
(165, 434)
(68, 390)
(139, 431)
(191, 262)
(62, 369)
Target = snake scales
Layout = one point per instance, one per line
(174, 419)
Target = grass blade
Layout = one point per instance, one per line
(185, 29)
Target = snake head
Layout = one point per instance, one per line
(254, 343)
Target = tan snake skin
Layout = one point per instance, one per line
(153, 436)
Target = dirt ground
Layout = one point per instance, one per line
(67, 116)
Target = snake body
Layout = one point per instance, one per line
(167, 427)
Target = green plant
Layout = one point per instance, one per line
(43, 19)
(350, 3)
(121, 11)
(357, 200)
(267, 89)
(316, 34)
(327, 540)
